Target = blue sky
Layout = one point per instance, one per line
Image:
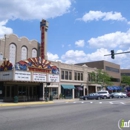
(79, 30)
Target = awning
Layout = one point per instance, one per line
(109, 88)
(68, 86)
(128, 88)
(80, 88)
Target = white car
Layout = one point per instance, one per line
(104, 93)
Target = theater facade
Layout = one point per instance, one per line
(27, 79)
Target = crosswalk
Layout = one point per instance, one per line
(99, 102)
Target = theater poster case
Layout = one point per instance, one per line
(53, 78)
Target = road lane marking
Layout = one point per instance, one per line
(100, 102)
(111, 102)
(122, 103)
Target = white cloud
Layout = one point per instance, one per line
(98, 15)
(76, 56)
(111, 40)
(52, 57)
(29, 10)
(33, 9)
(80, 43)
(4, 29)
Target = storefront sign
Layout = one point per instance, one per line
(53, 78)
(39, 77)
(5, 76)
(22, 76)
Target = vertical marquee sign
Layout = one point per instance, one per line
(43, 37)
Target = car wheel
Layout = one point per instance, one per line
(110, 97)
(105, 97)
(98, 98)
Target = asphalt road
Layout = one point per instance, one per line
(66, 116)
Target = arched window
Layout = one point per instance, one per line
(34, 53)
(23, 53)
(12, 53)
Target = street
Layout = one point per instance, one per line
(80, 115)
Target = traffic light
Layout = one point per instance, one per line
(112, 54)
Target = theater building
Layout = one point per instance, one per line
(26, 72)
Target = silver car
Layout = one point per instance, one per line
(119, 95)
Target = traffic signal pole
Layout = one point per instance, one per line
(118, 53)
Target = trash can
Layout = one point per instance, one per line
(51, 98)
(15, 99)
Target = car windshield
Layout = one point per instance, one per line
(102, 92)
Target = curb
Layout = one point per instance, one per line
(24, 104)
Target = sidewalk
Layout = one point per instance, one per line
(7, 104)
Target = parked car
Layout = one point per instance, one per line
(104, 93)
(93, 96)
(128, 94)
(83, 97)
(118, 95)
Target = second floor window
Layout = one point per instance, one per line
(66, 75)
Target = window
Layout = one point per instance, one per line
(78, 76)
(81, 76)
(70, 75)
(125, 74)
(66, 74)
(12, 53)
(115, 80)
(75, 76)
(62, 74)
(112, 69)
(23, 53)
(34, 53)
(89, 77)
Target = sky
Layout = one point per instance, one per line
(79, 30)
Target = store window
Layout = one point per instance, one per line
(55, 92)
(8, 91)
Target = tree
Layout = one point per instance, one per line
(125, 80)
(101, 77)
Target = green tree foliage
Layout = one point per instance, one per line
(101, 77)
(125, 80)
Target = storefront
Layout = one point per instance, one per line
(78, 91)
(67, 91)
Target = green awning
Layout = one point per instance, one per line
(68, 86)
